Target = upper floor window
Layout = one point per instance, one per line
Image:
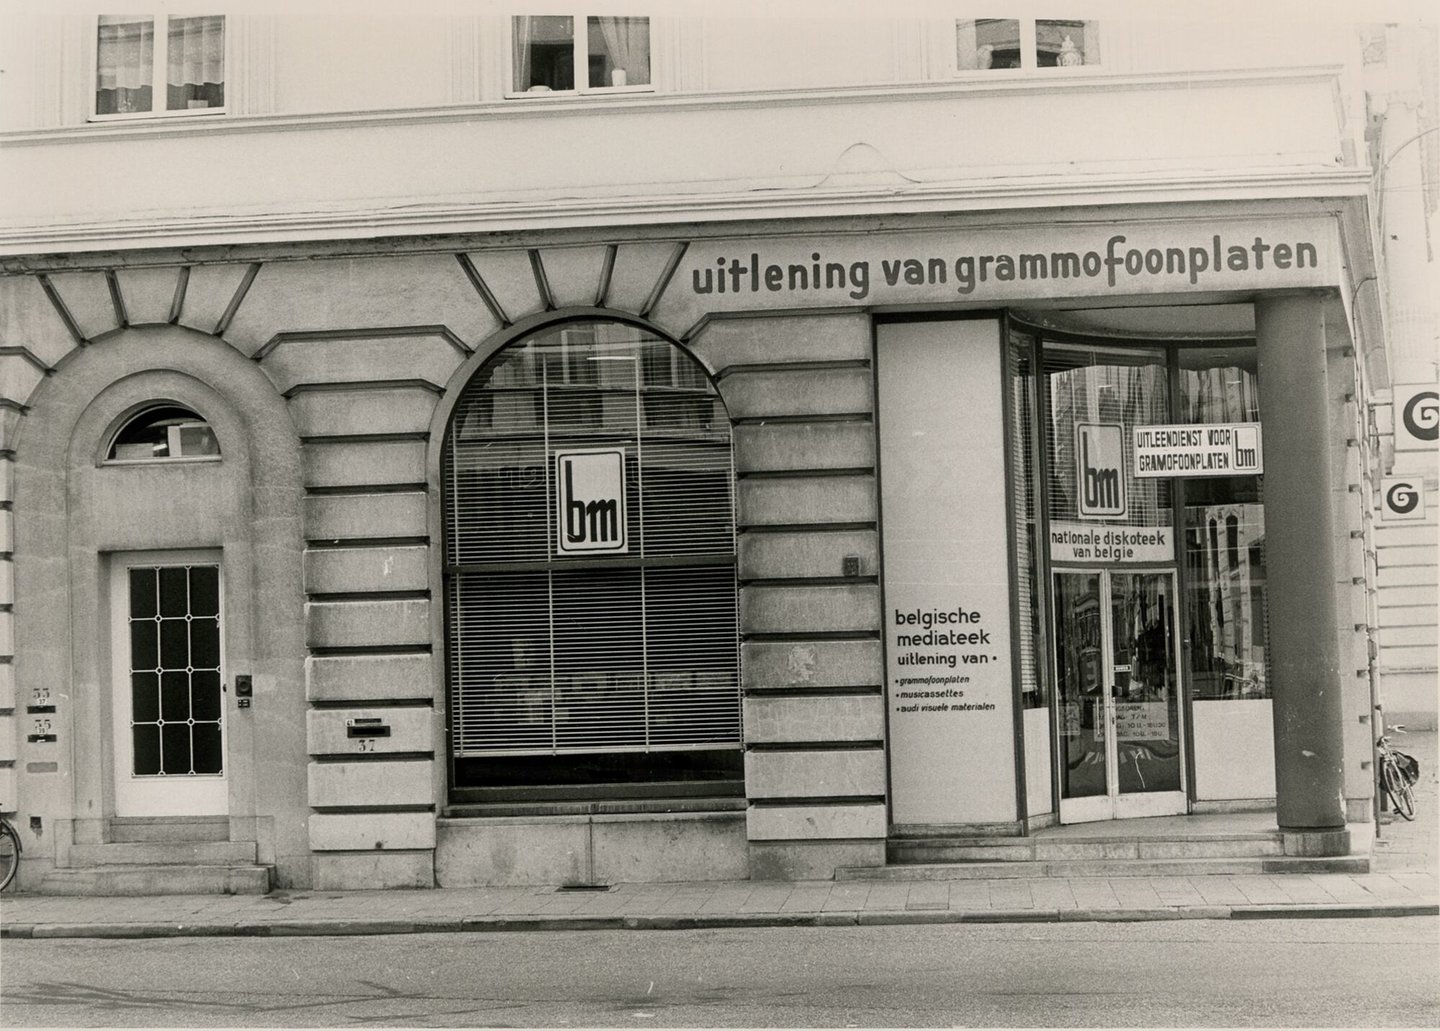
(996, 43)
(163, 431)
(159, 65)
(576, 53)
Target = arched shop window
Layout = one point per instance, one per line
(590, 572)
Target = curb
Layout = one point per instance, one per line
(701, 921)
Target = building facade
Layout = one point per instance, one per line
(493, 450)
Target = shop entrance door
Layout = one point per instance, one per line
(168, 710)
(1118, 691)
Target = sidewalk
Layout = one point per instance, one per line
(1404, 881)
(725, 904)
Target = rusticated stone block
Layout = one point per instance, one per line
(362, 678)
(341, 516)
(797, 392)
(834, 718)
(328, 731)
(807, 499)
(831, 609)
(817, 664)
(808, 553)
(342, 570)
(355, 624)
(376, 784)
(798, 338)
(356, 832)
(809, 773)
(797, 823)
(821, 445)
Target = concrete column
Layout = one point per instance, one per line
(1300, 573)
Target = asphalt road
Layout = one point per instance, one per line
(1310, 973)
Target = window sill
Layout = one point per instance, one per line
(154, 116)
(709, 805)
(597, 91)
(178, 460)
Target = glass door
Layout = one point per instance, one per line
(168, 701)
(1118, 690)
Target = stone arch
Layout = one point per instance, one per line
(249, 509)
(446, 412)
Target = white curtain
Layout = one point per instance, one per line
(523, 30)
(196, 51)
(125, 58)
(627, 45)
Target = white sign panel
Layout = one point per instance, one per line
(1082, 542)
(1228, 449)
(1100, 470)
(999, 265)
(590, 505)
(947, 577)
(1402, 498)
(1417, 417)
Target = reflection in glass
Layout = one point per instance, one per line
(1022, 421)
(1224, 537)
(1088, 385)
(1147, 696)
(1079, 689)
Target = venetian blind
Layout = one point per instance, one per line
(628, 649)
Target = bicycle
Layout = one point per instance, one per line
(9, 853)
(1398, 774)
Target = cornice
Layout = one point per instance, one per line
(512, 215)
(540, 107)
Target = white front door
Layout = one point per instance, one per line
(169, 696)
(1118, 689)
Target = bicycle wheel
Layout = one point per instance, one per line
(9, 854)
(1402, 797)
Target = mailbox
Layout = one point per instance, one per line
(367, 726)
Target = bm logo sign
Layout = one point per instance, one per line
(591, 516)
(1100, 468)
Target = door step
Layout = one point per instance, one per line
(169, 828)
(158, 879)
(1173, 867)
(164, 853)
(1044, 849)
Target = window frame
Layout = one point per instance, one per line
(1028, 45)
(555, 774)
(580, 63)
(158, 74)
(121, 424)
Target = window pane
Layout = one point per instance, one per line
(195, 66)
(144, 697)
(174, 591)
(142, 593)
(1066, 44)
(124, 65)
(175, 696)
(987, 43)
(1115, 389)
(1225, 536)
(206, 737)
(175, 746)
(146, 749)
(166, 431)
(543, 50)
(619, 51)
